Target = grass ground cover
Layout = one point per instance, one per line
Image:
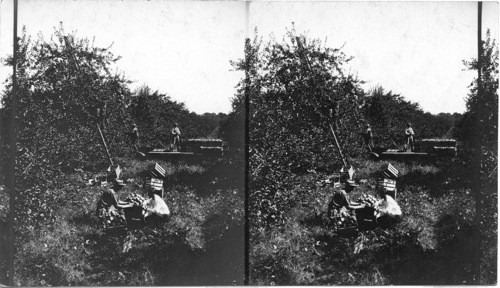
(201, 244)
(432, 245)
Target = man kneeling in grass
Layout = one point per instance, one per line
(387, 211)
(341, 208)
(341, 199)
(110, 207)
(155, 208)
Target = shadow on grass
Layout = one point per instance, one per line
(449, 264)
(399, 261)
(222, 263)
(450, 175)
(160, 257)
(217, 176)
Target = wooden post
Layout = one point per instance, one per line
(338, 145)
(476, 177)
(105, 146)
(11, 176)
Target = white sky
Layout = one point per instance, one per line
(184, 48)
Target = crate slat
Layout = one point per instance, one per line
(390, 171)
(155, 183)
(388, 184)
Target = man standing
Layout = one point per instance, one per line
(333, 113)
(409, 141)
(368, 137)
(177, 137)
(135, 135)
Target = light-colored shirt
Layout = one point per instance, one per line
(387, 206)
(176, 131)
(156, 205)
(409, 131)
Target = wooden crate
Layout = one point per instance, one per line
(445, 151)
(158, 171)
(211, 151)
(365, 218)
(387, 184)
(134, 217)
(390, 172)
(429, 145)
(346, 230)
(156, 184)
(195, 145)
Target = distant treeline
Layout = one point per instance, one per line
(155, 114)
(388, 114)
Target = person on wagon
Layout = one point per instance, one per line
(409, 138)
(176, 137)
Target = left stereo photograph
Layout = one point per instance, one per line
(123, 143)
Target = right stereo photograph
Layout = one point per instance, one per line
(372, 143)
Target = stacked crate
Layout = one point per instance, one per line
(388, 178)
(387, 184)
(346, 223)
(155, 179)
(440, 147)
(155, 183)
(209, 147)
(390, 171)
(158, 171)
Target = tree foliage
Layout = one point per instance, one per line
(479, 131)
(61, 85)
(290, 87)
(65, 89)
(481, 118)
